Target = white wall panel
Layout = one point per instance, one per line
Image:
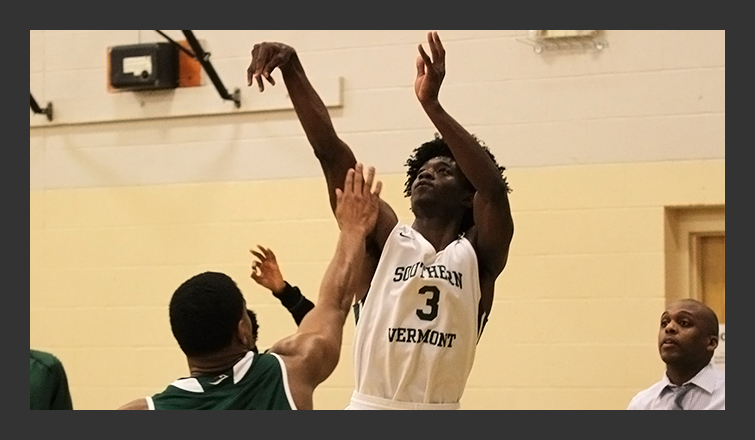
(648, 96)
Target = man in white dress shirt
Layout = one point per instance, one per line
(687, 339)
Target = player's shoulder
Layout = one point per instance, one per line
(49, 360)
(267, 358)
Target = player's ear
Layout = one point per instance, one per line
(244, 332)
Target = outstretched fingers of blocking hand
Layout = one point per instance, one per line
(369, 182)
(348, 184)
(356, 183)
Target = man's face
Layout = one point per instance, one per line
(439, 180)
(683, 337)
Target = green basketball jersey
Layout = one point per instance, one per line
(49, 383)
(257, 381)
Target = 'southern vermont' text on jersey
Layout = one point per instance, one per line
(418, 328)
(257, 381)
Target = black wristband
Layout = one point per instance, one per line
(293, 300)
(289, 296)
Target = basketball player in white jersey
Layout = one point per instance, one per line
(428, 288)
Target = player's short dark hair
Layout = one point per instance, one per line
(435, 148)
(204, 313)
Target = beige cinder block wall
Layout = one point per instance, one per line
(132, 193)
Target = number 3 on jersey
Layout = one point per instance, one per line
(432, 302)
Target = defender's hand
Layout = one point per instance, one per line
(265, 270)
(357, 204)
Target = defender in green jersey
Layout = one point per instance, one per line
(257, 381)
(49, 383)
(209, 319)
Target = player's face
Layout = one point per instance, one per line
(682, 336)
(439, 180)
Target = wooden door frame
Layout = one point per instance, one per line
(685, 226)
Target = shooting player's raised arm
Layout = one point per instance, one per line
(334, 155)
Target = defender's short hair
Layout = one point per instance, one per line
(205, 311)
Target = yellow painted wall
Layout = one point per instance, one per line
(573, 325)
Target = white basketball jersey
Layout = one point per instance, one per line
(417, 330)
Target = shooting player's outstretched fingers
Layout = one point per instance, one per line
(251, 71)
(262, 58)
(436, 47)
(423, 60)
